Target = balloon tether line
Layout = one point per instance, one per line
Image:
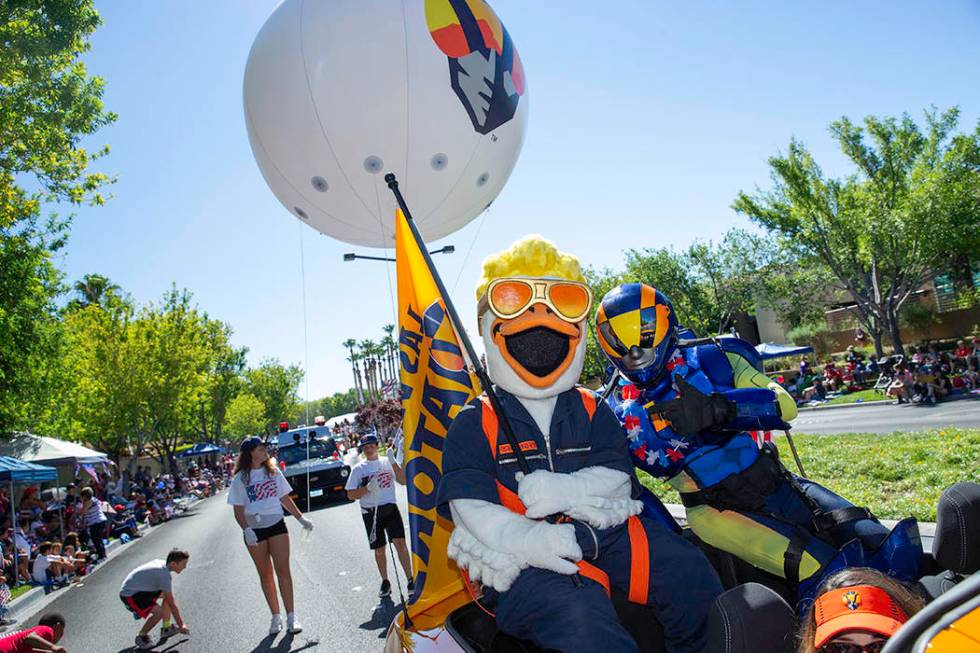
(306, 363)
(464, 338)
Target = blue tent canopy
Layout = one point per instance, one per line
(769, 350)
(201, 449)
(19, 471)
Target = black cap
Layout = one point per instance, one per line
(370, 438)
(248, 444)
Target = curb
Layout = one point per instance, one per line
(23, 605)
(856, 404)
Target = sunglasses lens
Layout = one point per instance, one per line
(510, 297)
(571, 301)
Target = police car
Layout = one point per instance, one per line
(311, 462)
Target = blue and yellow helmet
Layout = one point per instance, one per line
(637, 330)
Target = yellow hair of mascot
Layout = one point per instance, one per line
(531, 256)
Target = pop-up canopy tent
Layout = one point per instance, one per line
(50, 451)
(14, 471)
(769, 350)
(201, 449)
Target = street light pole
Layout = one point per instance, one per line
(351, 256)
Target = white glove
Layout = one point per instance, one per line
(599, 496)
(494, 569)
(372, 485)
(396, 452)
(305, 523)
(497, 530)
(251, 538)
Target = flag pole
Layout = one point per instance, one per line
(478, 369)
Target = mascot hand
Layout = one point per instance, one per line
(545, 493)
(693, 411)
(552, 546)
(607, 512)
(494, 569)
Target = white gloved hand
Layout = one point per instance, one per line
(306, 523)
(372, 485)
(497, 531)
(251, 539)
(599, 496)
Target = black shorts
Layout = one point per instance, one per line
(141, 603)
(389, 522)
(279, 528)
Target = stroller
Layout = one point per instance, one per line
(887, 365)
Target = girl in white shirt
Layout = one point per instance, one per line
(258, 493)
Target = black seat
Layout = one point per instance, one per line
(956, 545)
(751, 618)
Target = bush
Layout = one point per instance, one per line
(814, 334)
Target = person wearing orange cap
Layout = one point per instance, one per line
(856, 611)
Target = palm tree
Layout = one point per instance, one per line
(368, 349)
(349, 344)
(92, 289)
(391, 347)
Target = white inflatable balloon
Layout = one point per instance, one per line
(339, 92)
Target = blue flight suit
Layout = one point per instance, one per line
(776, 532)
(543, 606)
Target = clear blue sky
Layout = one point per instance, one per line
(646, 119)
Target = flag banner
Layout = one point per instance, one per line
(435, 385)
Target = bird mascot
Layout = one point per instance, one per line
(551, 545)
(687, 406)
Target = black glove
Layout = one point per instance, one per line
(693, 411)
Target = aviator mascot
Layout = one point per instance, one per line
(549, 547)
(687, 405)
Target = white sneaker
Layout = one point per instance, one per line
(275, 627)
(293, 626)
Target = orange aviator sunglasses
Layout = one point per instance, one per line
(509, 297)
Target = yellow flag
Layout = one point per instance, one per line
(435, 385)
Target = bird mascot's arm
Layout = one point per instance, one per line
(493, 544)
(599, 496)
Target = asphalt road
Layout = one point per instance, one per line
(888, 418)
(334, 574)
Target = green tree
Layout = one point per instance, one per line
(245, 416)
(911, 206)
(48, 103)
(276, 385)
(92, 289)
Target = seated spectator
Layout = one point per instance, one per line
(938, 358)
(815, 391)
(122, 522)
(5, 619)
(78, 561)
(48, 567)
(833, 377)
(857, 609)
(924, 389)
(898, 391)
(30, 505)
(921, 356)
(943, 385)
(961, 355)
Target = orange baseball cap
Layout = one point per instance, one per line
(862, 607)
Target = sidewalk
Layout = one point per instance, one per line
(35, 600)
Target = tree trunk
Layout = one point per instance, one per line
(894, 328)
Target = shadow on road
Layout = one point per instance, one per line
(381, 617)
(285, 645)
(169, 648)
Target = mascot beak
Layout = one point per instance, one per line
(537, 344)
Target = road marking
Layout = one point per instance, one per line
(342, 573)
(357, 589)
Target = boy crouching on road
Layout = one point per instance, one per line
(141, 589)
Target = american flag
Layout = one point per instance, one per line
(389, 388)
(4, 594)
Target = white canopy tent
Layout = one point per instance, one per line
(50, 451)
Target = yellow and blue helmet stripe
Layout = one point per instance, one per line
(637, 330)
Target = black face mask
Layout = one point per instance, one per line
(539, 350)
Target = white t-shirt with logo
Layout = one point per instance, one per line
(362, 474)
(260, 497)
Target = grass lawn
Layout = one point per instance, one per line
(20, 589)
(854, 397)
(894, 475)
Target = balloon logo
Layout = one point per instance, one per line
(484, 68)
(339, 92)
